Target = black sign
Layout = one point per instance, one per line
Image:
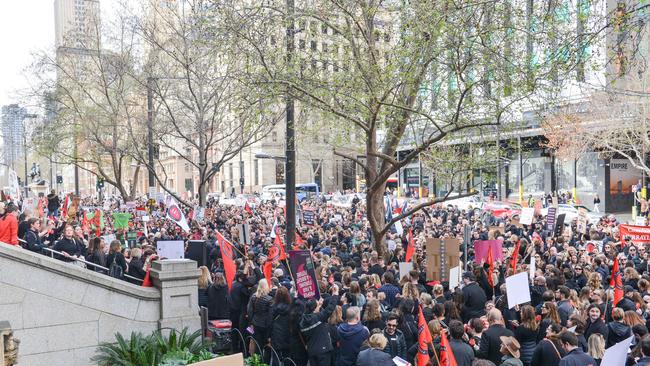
(559, 225)
(197, 251)
(308, 217)
(550, 219)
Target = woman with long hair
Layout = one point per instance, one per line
(576, 321)
(333, 322)
(115, 256)
(358, 298)
(259, 313)
(549, 315)
(218, 299)
(372, 316)
(205, 280)
(549, 350)
(95, 254)
(596, 347)
(280, 326)
(526, 333)
(631, 318)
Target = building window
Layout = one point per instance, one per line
(188, 184)
(256, 173)
(325, 48)
(314, 46)
(302, 24)
(274, 136)
(230, 171)
(324, 28)
(301, 44)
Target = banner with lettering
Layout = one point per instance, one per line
(638, 234)
(304, 274)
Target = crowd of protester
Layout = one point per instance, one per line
(368, 313)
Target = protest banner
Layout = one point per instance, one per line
(304, 274)
(454, 277)
(481, 250)
(405, 268)
(532, 268)
(441, 255)
(527, 214)
(517, 289)
(617, 354)
(171, 249)
(121, 220)
(638, 234)
(581, 225)
(550, 219)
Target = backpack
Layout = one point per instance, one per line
(115, 270)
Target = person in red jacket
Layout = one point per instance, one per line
(9, 225)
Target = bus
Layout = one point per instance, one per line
(303, 190)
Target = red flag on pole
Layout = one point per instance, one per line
(146, 282)
(299, 242)
(248, 209)
(228, 258)
(514, 259)
(410, 248)
(446, 354)
(617, 283)
(424, 339)
(268, 271)
(276, 251)
(490, 262)
(85, 224)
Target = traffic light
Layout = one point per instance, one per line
(100, 182)
(59, 179)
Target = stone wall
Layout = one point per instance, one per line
(61, 312)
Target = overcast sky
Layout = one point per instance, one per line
(26, 26)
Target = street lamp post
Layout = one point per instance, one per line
(152, 182)
(290, 152)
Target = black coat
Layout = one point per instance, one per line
(280, 327)
(259, 311)
(598, 326)
(218, 302)
(136, 269)
(239, 296)
(475, 299)
(315, 329)
(33, 242)
(463, 353)
(66, 245)
(546, 354)
(491, 343)
(617, 332)
(374, 357)
(396, 345)
(97, 257)
(118, 258)
(527, 339)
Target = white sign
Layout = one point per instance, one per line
(399, 229)
(517, 289)
(617, 354)
(145, 219)
(639, 221)
(454, 277)
(527, 214)
(405, 268)
(531, 268)
(171, 249)
(581, 226)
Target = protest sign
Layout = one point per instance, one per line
(617, 354)
(527, 214)
(308, 217)
(405, 268)
(639, 221)
(581, 225)
(559, 225)
(146, 219)
(517, 289)
(171, 249)
(481, 250)
(304, 274)
(441, 255)
(131, 238)
(454, 277)
(550, 219)
(532, 268)
(244, 233)
(121, 220)
(638, 234)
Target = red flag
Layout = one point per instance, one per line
(85, 225)
(248, 209)
(617, 283)
(410, 248)
(490, 262)
(446, 354)
(424, 339)
(276, 251)
(299, 242)
(64, 209)
(515, 254)
(268, 271)
(97, 221)
(146, 282)
(228, 258)
(41, 208)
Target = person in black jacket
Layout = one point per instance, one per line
(396, 344)
(31, 236)
(239, 295)
(474, 296)
(259, 313)
(314, 327)
(136, 266)
(67, 245)
(95, 254)
(115, 255)
(463, 353)
(490, 340)
(617, 331)
(373, 356)
(53, 204)
(595, 323)
(218, 299)
(280, 326)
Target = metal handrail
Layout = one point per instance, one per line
(52, 252)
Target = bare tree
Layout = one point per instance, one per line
(414, 76)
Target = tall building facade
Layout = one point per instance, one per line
(13, 130)
(75, 22)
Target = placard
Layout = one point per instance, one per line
(405, 268)
(581, 225)
(532, 268)
(527, 214)
(550, 219)
(131, 238)
(617, 354)
(441, 255)
(171, 249)
(639, 221)
(481, 250)
(244, 233)
(559, 225)
(304, 274)
(517, 289)
(146, 219)
(454, 277)
(308, 217)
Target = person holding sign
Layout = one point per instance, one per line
(314, 327)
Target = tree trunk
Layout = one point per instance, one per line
(376, 218)
(203, 192)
